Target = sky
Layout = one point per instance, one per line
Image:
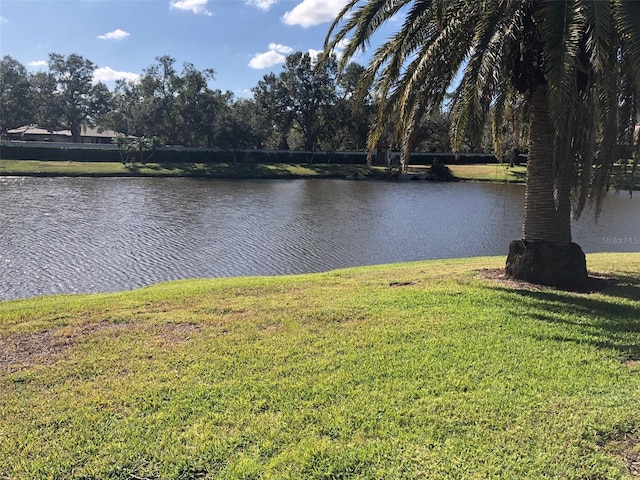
(241, 40)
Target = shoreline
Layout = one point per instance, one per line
(496, 173)
(494, 261)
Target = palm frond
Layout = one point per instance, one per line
(429, 75)
(627, 22)
(498, 120)
(600, 35)
(561, 26)
(582, 150)
(486, 69)
(360, 25)
(415, 66)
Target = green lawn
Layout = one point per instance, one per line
(501, 172)
(420, 370)
(490, 172)
(484, 173)
(216, 170)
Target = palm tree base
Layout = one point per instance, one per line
(561, 265)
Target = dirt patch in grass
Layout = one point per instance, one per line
(23, 350)
(625, 447)
(633, 363)
(402, 284)
(174, 333)
(498, 276)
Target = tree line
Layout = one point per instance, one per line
(307, 106)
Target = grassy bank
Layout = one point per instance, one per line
(495, 172)
(491, 173)
(421, 370)
(501, 172)
(215, 170)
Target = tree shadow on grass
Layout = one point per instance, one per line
(518, 176)
(622, 286)
(255, 170)
(607, 318)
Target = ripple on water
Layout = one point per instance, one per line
(62, 235)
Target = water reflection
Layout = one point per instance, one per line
(62, 235)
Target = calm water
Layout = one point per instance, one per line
(65, 235)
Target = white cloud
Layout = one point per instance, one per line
(38, 63)
(117, 34)
(278, 47)
(198, 7)
(338, 50)
(342, 44)
(3, 20)
(314, 54)
(276, 55)
(107, 74)
(262, 4)
(266, 60)
(313, 12)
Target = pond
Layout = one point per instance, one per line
(68, 235)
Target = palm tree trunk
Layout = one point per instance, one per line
(546, 254)
(546, 217)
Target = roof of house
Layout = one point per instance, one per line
(95, 132)
(86, 131)
(30, 130)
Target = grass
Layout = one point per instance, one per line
(497, 172)
(501, 172)
(217, 170)
(492, 172)
(419, 370)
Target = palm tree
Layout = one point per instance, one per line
(575, 62)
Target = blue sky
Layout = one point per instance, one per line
(242, 40)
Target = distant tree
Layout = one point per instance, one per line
(432, 133)
(355, 113)
(197, 105)
(47, 111)
(274, 109)
(213, 105)
(158, 89)
(122, 141)
(143, 148)
(300, 99)
(312, 91)
(179, 107)
(236, 129)
(346, 118)
(133, 150)
(126, 113)
(15, 95)
(77, 101)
